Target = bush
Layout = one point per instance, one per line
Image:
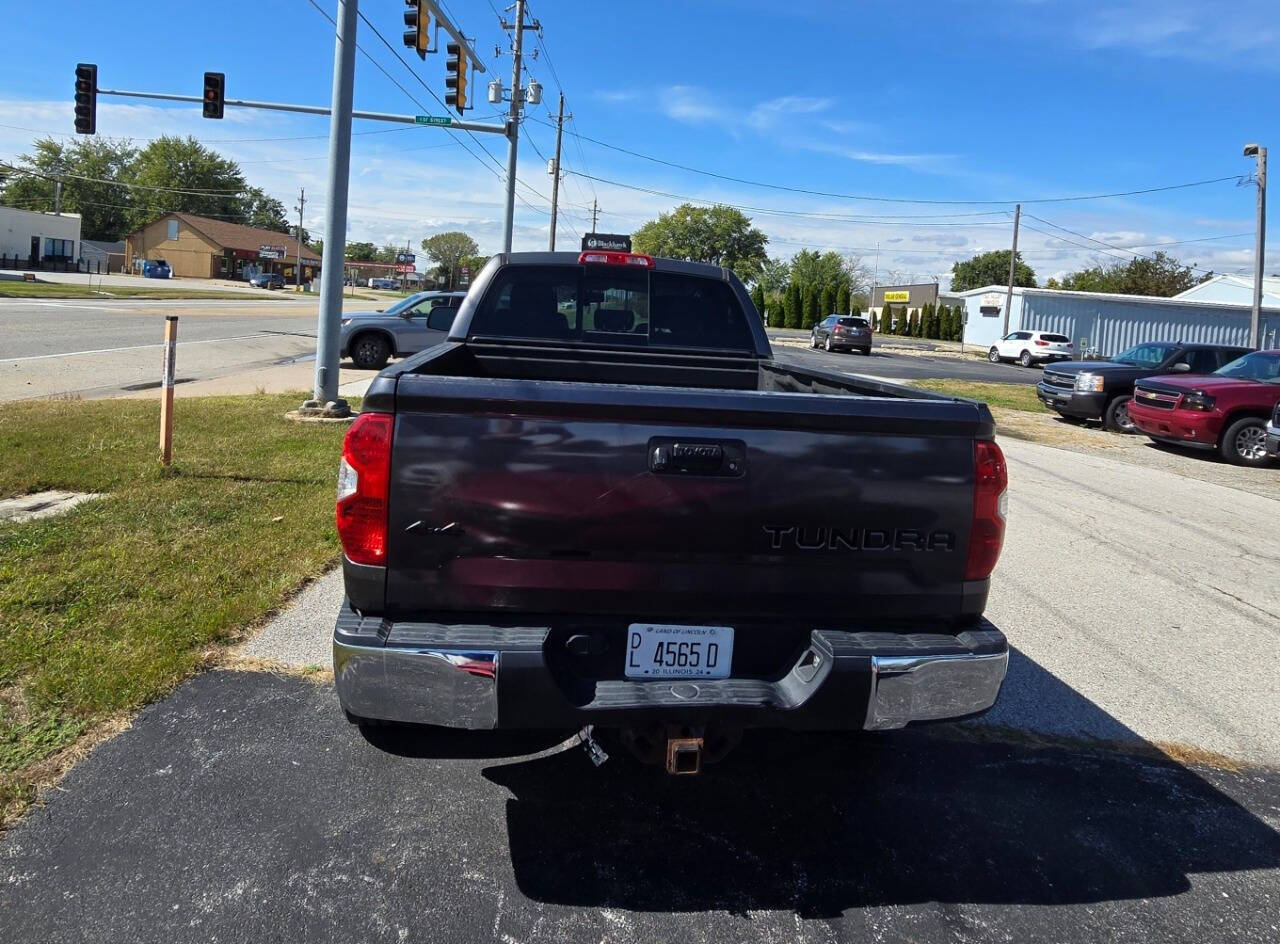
(757, 299)
(842, 300)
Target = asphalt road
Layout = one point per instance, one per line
(96, 348)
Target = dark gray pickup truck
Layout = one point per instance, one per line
(602, 502)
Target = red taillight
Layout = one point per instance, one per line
(363, 481)
(615, 258)
(986, 535)
(1040, 343)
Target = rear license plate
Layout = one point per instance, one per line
(661, 650)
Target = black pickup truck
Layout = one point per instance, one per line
(1102, 390)
(603, 502)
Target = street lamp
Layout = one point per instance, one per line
(1259, 153)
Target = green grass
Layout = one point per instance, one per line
(1006, 396)
(11, 288)
(107, 607)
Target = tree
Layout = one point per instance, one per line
(828, 304)
(793, 305)
(90, 169)
(719, 235)
(757, 299)
(447, 250)
(181, 174)
(361, 252)
(264, 211)
(1160, 275)
(774, 275)
(812, 301)
(990, 268)
(842, 300)
(810, 267)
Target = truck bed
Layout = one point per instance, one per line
(852, 504)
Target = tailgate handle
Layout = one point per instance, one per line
(697, 457)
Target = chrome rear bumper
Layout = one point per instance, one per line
(488, 677)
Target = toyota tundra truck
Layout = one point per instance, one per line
(602, 502)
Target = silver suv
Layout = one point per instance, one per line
(413, 324)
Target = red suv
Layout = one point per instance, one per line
(1226, 410)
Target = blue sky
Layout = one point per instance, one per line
(990, 102)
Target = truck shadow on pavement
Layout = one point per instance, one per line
(821, 823)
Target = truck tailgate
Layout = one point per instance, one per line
(648, 503)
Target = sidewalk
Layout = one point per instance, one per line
(276, 378)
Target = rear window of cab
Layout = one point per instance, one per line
(612, 305)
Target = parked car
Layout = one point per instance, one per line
(267, 280)
(387, 284)
(1031, 347)
(1225, 411)
(1273, 434)
(156, 269)
(842, 333)
(1102, 390)
(595, 511)
(371, 338)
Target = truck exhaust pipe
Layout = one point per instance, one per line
(684, 756)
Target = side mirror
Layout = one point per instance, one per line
(1183, 368)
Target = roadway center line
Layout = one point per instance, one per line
(139, 347)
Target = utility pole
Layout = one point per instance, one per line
(57, 197)
(513, 124)
(302, 201)
(595, 212)
(871, 300)
(1259, 251)
(325, 401)
(1013, 263)
(555, 172)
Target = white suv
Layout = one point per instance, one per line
(1028, 347)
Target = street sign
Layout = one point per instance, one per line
(271, 252)
(406, 257)
(432, 120)
(609, 242)
(464, 275)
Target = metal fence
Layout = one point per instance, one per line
(1111, 325)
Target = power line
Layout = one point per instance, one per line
(774, 211)
(850, 196)
(1097, 241)
(432, 93)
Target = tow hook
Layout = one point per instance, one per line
(684, 756)
(592, 746)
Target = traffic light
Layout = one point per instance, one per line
(456, 81)
(86, 98)
(418, 23)
(215, 94)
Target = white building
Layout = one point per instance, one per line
(1107, 324)
(1234, 290)
(33, 236)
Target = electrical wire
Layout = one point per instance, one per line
(1099, 242)
(849, 196)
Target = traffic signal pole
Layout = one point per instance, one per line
(325, 401)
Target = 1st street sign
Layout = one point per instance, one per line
(432, 120)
